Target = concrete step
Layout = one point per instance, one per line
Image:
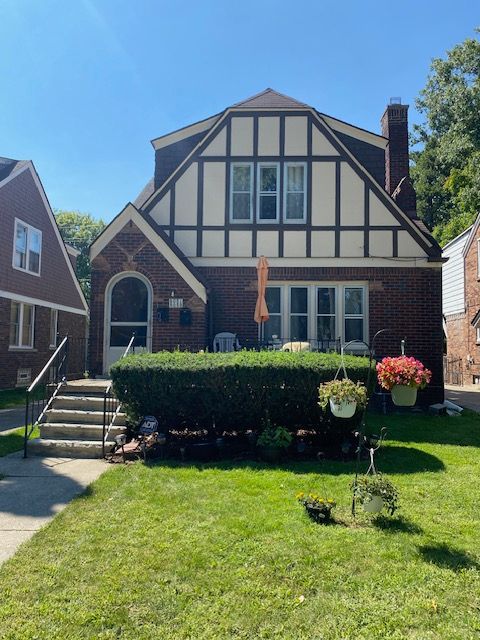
(81, 403)
(70, 431)
(81, 417)
(87, 387)
(67, 448)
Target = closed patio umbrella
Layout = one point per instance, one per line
(261, 310)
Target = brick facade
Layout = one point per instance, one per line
(69, 324)
(462, 336)
(132, 251)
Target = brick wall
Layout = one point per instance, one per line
(408, 302)
(462, 339)
(130, 250)
(69, 324)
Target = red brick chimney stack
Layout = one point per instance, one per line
(397, 171)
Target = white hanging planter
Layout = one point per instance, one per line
(343, 409)
(403, 395)
(374, 505)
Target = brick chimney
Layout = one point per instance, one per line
(397, 171)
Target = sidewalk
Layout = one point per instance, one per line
(34, 490)
(467, 396)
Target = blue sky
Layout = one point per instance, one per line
(86, 84)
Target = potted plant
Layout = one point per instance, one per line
(272, 442)
(319, 509)
(403, 376)
(376, 492)
(344, 397)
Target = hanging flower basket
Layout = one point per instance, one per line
(403, 395)
(344, 409)
(374, 505)
(376, 492)
(403, 376)
(343, 397)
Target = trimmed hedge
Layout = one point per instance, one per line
(236, 390)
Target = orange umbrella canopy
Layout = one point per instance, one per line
(261, 310)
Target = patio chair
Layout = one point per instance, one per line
(225, 342)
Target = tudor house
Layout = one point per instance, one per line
(329, 204)
(461, 306)
(40, 296)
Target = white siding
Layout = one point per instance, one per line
(453, 276)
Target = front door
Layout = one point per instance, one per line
(128, 312)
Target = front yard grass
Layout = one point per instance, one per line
(186, 551)
(13, 441)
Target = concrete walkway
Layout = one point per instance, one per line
(467, 396)
(34, 490)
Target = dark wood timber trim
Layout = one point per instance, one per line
(366, 209)
(200, 175)
(337, 209)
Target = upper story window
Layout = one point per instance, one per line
(27, 248)
(268, 192)
(268, 185)
(241, 192)
(295, 191)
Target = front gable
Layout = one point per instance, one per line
(348, 213)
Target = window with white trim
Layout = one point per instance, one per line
(241, 192)
(299, 313)
(295, 192)
(272, 329)
(27, 248)
(353, 313)
(317, 311)
(22, 319)
(268, 187)
(53, 328)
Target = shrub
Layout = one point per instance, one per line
(274, 437)
(236, 390)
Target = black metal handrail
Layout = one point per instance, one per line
(111, 406)
(50, 379)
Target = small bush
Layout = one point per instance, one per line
(236, 390)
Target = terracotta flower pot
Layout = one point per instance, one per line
(403, 395)
(343, 409)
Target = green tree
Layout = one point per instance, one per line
(79, 230)
(446, 169)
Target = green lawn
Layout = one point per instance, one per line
(200, 552)
(11, 398)
(13, 441)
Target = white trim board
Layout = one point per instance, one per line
(319, 262)
(41, 303)
(355, 132)
(131, 213)
(186, 132)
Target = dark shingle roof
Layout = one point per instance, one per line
(7, 165)
(144, 194)
(270, 99)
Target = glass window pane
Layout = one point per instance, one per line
(298, 327)
(33, 262)
(34, 241)
(268, 207)
(241, 178)
(298, 300)
(120, 336)
(21, 238)
(27, 326)
(325, 328)
(129, 301)
(294, 206)
(272, 298)
(268, 178)
(295, 178)
(353, 329)
(353, 301)
(14, 323)
(241, 206)
(326, 300)
(273, 327)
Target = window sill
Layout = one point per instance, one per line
(30, 273)
(22, 349)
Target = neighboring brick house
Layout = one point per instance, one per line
(40, 297)
(461, 306)
(329, 204)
